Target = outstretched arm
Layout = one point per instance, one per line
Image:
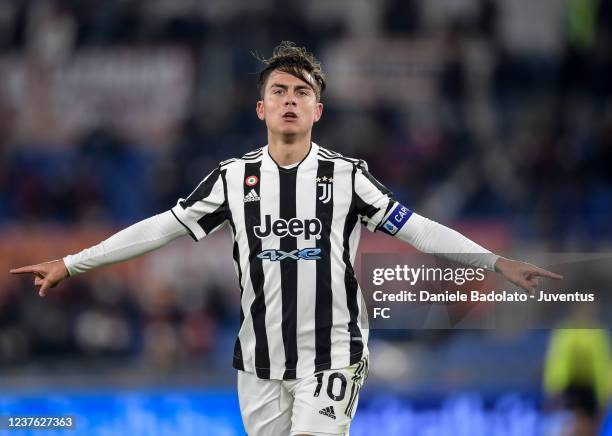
(380, 212)
(140, 238)
(431, 237)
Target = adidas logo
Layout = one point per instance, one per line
(251, 196)
(328, 411)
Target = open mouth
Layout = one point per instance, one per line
(290, 116)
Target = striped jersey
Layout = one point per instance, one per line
(295, 235)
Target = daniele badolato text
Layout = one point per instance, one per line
(422, 276)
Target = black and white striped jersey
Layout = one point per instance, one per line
(295, 234)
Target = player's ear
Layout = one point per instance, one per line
(318, 112)
(260, 110)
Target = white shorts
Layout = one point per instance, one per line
(322, 404)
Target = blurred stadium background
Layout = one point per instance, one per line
(492, 116)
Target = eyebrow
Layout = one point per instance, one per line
(297, 87)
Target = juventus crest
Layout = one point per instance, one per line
(326, 186)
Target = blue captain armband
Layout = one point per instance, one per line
(396, 219)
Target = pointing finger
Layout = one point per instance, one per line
(24, 270)
(544, 273)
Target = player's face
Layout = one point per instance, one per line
(289, 106)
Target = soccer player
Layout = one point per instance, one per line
(295, 211)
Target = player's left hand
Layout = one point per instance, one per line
(523, 274)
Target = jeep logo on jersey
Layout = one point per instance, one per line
(294, 227)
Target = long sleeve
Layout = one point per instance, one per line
(431, 237)
(379, 211)
(140, 238)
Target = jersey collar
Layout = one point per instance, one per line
(309, 160)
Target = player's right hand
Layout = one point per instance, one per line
(47, 275)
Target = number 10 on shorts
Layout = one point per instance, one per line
(331, 387)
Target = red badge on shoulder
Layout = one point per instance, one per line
(251, 180)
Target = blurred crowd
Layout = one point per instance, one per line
(516, 131)
(153, 326)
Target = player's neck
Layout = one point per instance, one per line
(286, 151)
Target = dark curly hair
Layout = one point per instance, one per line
(297, 61)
